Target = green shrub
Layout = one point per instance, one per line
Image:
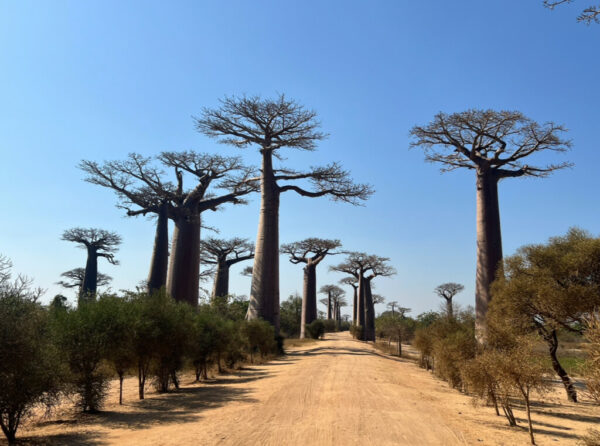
(259, 336)
(356, 331)
(316, 329)
(30, 370)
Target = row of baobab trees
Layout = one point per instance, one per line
(494, 144)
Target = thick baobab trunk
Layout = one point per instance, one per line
(552, 341)
(184, 269)
(157, 278)
(369, 330)
(328, 305)
(354, 303)
(449, 308)
(221, 286)
(309, 298)
(90, 278)
(264, 292)
(360, 309)
(489, 246)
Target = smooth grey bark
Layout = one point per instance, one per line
(264, 292)
(369, 310)
(328, 305)
(360, 310)
(221, 285)
(354, 303)
(183, 280)
(309, 298)
(157, 278)
(449, 308)
(489, 246)
(90, 279)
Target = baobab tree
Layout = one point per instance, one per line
(143, 189)
(97, 243)
(447, 291)
(310, 252)
(365, 268)
(74, 279)
(338, 302)
(353, 282)
(333, 292)
(494, 144)
(223, 254)
(393, 305)
(273, 124)
(225, 173)
(587, 16)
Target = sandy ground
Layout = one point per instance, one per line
(333, 392)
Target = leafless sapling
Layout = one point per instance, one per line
(311, 252)
(494, 144)
(273, 124)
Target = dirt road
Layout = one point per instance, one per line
(333, 392)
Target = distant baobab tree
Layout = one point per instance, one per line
(139, 183)
(353, 282)
(75, 277)
(392, 305)
(97, 243)
(447, 291)
(272, 124)
(365, 268)
(223, 254)
(333, 292)
(494, 145)
(247, 271)
(310, 252)
(587, 16)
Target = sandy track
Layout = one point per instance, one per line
(333, 392)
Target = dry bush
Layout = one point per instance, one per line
(592, 365)
(592, 438)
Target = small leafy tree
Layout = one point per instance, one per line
(291, 315)
(30, 370)
(260, 337)
(592, 364)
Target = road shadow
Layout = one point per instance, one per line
(68, 439)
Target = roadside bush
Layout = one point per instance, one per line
(30, 369)
(592, 438)
(203, 341)
(330, 326)
(356, 331)
(259, 336)
(316, 329)
(83, 336)
(592, 364)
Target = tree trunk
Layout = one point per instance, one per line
(264, 292)
(121, 388)
(157, 278)
(449, 308)
(221, 285)
(354, 303)
(328, 305)
(552, 341)
(141, 380)
(528, 407)
(489, 246)
(360, 309)
(184, 269)
(369, 332)
(90, 278)
(309, 298)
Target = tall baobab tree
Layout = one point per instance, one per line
(74, 279)
(223, 254)
(392, 305)
(225, 173)
(142, 190)
(97, 243)
(353, 282)
(333, 292)
(494, 144)
(447, 291)
(273, 124)
(338, 302)
(587, 16)
(311, 252)
(365, 268)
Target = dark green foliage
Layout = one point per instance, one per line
(203, 340)
(356, 331)
(330, 325)
(290, 314)
(84, 337)
(230, 307)
(260, 337)
(395, 327)
(316, 329)
(30, 370)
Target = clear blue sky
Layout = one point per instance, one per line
(99, 79)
